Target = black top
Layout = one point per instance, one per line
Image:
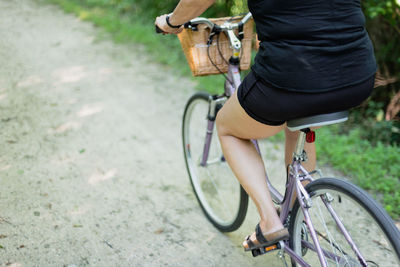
(312, 45)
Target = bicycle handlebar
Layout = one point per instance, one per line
(225, 27)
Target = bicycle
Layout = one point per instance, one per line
(321, 230)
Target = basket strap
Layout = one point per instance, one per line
(241, 32)
(215, 30)
(210, 38)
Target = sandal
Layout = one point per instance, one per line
(267, 240)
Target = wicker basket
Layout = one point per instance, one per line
(194, 45)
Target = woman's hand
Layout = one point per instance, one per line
(161, 22)
(184, 11)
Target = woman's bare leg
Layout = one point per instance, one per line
(235, 129)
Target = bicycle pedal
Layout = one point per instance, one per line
(264, 250)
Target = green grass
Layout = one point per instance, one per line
(125, 28)
(375, 168)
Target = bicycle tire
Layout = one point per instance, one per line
(371, 228)
(221, 197)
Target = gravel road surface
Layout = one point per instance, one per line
(91, 166)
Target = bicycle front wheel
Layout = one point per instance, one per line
(369, 226)
(222, 199)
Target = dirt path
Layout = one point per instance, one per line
(91, 167)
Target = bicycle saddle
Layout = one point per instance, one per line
(317, 120)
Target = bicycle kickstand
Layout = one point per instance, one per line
(281, 253)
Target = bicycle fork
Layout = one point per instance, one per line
(215, 104)
(232, 82)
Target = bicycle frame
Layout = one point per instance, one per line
(296, 174)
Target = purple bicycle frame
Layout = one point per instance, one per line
(293, 185)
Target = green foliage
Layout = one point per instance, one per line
(375, 168)
(111, 15)
(386, 8)
(383, 23)
(148, 10)
(132, 20)
(370, 118)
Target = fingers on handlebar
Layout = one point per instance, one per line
(158, 30)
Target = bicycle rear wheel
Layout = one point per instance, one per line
(222, 199)
(371, 229)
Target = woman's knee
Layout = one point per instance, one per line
(220, 124)
(224, 120)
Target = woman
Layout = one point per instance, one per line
(315, 57)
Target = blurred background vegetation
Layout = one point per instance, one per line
(366, 148)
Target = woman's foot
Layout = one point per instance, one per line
(265, 238)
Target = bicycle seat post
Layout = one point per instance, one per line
(299, 152)
(304, 124)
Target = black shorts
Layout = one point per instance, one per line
(273, 106)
